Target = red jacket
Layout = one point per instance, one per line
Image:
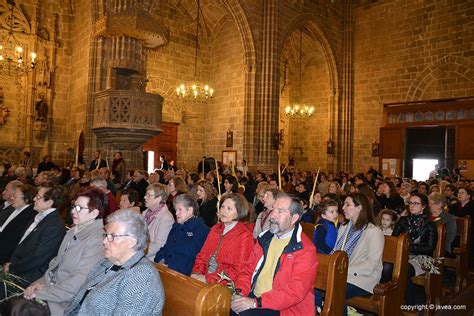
(234, 251)
(292, 291)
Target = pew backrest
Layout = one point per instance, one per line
(332, 279)
(187, 296)
(308, 230)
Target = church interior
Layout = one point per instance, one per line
(337, 86)
(107, 75)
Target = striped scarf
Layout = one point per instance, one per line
(151, 213)
(348, 240)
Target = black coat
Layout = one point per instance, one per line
(12, 233)
(422, 232)
(31, 257)
(208, 212)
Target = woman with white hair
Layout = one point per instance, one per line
(124, 282)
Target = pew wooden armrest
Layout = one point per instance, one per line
(388, 296)
(332, 279)
(385, 288)
(187, 296)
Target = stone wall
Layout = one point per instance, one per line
(226, 110)
(406, 51)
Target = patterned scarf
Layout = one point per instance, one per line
(348, 240)
(151, 213)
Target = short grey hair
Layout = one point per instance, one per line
(98, 183)
(15, 184)
(187, 202)
(159, 190)
(295, 204)
(135, 225)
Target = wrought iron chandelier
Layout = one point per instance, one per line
(196, 90)
(299, 110)
(14, 59)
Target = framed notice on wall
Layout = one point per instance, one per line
(228, 157)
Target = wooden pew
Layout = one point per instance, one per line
(460, 263)
(332, 279)
(388, 297)
(308, 230)
(433, 283)
(187, 296)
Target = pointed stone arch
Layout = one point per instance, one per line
(236, 11)
(459, 65)
(311, 22)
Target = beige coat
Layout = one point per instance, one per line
(159, 230)
(365, 263)
(75, 259)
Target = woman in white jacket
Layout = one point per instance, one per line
(363, 242)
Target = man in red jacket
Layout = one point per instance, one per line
(278, 278)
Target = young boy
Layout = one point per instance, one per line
(325, 230)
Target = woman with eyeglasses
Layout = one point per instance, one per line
(176, 186)
(125, 282)
(80, 250)
(158, 217)
(40, 242)
(437, 202)
(263, 219)
(423, 237)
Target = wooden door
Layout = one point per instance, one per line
(464, 157)
(165, 143)
(392, 150)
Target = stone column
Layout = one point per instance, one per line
(345, 129)
(267, 79)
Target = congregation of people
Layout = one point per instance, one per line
(85, 240)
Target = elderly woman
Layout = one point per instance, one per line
(423, 238)
(465, 205)
(124, 282)
(263, 220)
(186, 237)
(130, 200)
(41, 240)
(363, 242)
(175, 187)
(157, 217)
(437, 202)
(228, 244)
(15, 219)
(82, 244)
(207, 200)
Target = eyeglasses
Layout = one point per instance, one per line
(78, 208)
(149, 195)
(111, 237)
(39, 197)
(414, 203)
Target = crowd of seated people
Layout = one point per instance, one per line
(228, 226)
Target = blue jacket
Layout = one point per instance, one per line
(183, 244)
(325, 235)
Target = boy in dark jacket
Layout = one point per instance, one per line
(325, 230)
